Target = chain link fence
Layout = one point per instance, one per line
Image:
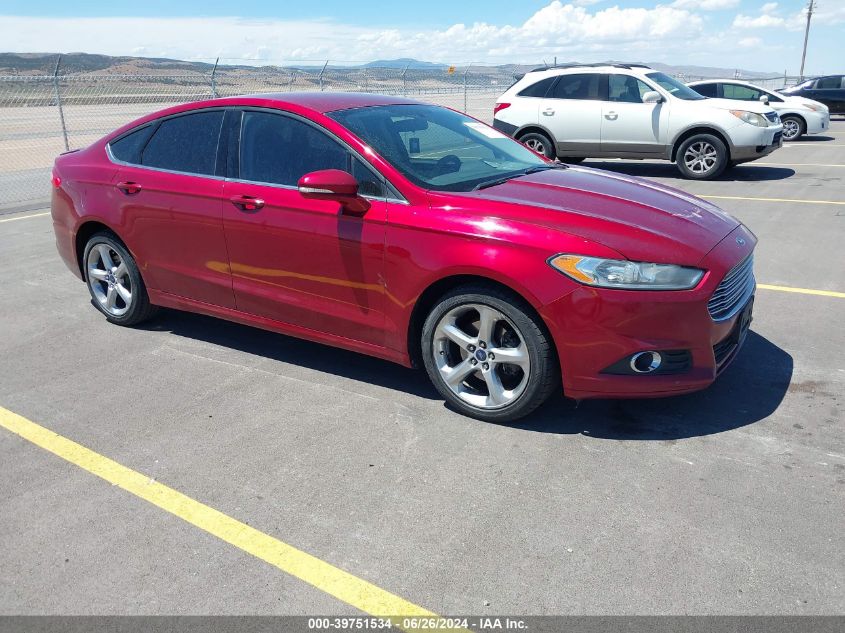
(44, 115)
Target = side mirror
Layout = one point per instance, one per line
(764, 99)
(334, 184)
(652, 96)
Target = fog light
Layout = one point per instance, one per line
(646, 362)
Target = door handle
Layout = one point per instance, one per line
(611, 116)
(129, 188)
(549, 111)
(247, 203)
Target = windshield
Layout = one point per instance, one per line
(806, 84)
(674, 87)
(437, 148)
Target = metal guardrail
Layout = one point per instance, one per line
(42, 116)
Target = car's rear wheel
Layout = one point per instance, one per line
(793, 128)
(488, 355)
(114, 281)
(538, 142)
(702, 157)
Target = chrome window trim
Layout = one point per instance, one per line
(276, 185)
(123, 163)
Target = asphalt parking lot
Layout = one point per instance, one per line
(728, 501)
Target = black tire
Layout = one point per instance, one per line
(538, 142)
(705, 142)
(138, 308)
(793, 127)
(543, 376)
(572, 160)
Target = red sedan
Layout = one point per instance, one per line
(413, 233)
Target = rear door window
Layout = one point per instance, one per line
(577, 86)
(741, 93)
(186, 143)
(538, 89)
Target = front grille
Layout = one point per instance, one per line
(772, 116)
(736, 288)
(721, 351)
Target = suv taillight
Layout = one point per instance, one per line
(500, 106)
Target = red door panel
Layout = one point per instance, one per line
(174, 224)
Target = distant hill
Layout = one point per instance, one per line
(44, 63)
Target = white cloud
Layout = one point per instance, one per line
(769, 7)
(761, 21)
(750, 42)
(705, 5)
(556, 29)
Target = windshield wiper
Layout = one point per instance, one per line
(504, 179)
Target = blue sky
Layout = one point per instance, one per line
(749, 34)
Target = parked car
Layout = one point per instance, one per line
(631, 111)
(412, 233)
(829, 90)
(799, 115)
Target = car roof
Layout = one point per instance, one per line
(322, 101)
(565, 69)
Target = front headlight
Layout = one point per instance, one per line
(616, 273)
(751, 117)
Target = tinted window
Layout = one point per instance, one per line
(743, 93)
(828, 83)
(706, 90)
(280, 150)
(538, 89)
(185, 143)
(626, 89)
(128, 148)
(369, 184)
(584, 86)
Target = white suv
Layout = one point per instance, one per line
(799, 115)
(632, 111)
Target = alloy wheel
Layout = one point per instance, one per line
(791, 129)
(481, 356)
(109, 280)
(536, 144)
(701, 157)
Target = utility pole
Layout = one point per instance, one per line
(810, 7)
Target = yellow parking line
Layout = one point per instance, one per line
(24, 217)
(797, 165)
(334, 581)
(805, 291)
(795, 200)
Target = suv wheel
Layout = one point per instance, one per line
(114, 281)
(793, 128)
(487, 354)
(702, 157)
(538, 142)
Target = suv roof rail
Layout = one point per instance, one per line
(595, 65)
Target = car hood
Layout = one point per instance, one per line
(757, 107)
(797, 100)
(640, 219)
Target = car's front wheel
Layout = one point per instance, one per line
(702, 157)
(488, 355)
(793, 128)
(538, 142)
(114, 281)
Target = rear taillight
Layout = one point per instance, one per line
(56, 180)
(500, 106)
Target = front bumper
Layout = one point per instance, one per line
(594, 328)
(817, 122)
(749, 142)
